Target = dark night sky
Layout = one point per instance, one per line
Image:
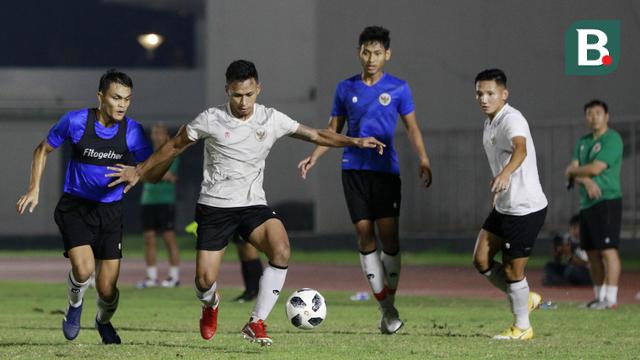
(87, 33)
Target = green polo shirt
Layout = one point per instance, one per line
(163, 192)
(608, 149)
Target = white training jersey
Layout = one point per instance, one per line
(235, 151)
(524, 194)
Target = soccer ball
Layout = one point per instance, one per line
(306, 308)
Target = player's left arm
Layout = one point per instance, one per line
(416, 139)
(591, 169)
(501, 182)
(152, 169)
(326, 137)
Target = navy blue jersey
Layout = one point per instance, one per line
(94, 148)
(372, 111)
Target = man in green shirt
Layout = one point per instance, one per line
(158, 215)
(595, 166)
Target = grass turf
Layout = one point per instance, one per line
(163, 323)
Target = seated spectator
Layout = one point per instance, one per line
(569, 265)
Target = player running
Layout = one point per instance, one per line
(89, 213)
(519, 205)
(238, 137)
(370, 103)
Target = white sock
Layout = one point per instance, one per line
(496, 276)
(391, 265)
(76, 289)
(611, 294)
(174, 272)
(152, 272)
(600, 291)
(207, 297)
(518, 294)
(271, 284)
(374, 272)
(106, 309)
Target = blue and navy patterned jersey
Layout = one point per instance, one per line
(372, 111)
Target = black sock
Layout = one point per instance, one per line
(253, 274)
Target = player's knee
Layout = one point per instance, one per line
(481, 264)
(106, 291)
(82, 271)
(204, 281)
(281, 253)
(366, 243)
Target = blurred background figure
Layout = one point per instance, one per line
(158, 216)
(570, 263)
(251, 269)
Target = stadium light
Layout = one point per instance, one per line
(150, 42)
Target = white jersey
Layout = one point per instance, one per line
(235, 151)
(524, 194)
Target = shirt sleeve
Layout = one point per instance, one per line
(283, 124)
(138, 142)
(611, 151)
(59, 132)
(338, 103)
(576, 152)
(199, 127)
(515, 125)
(406, 105)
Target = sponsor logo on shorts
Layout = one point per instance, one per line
(354, 99)
(507, 246)
(370, 276)
(607, 240)
(119, 246)
(385, 99)
(92, 153)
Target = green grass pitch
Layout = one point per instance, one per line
(163, 324)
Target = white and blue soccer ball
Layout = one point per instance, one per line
(306, 309)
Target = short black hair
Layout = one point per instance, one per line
(114, 76)
(594, 103)
(241, 70)
(375, 34)
(575, 220)
(496, 75)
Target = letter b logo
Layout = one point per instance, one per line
(592, 47)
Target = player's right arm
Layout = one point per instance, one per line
(336, 125)
(154, 168)
(30, 199)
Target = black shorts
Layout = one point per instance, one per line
(518, 233)
(160, 217)
(86, 222)
(217, 226)
(600, 225)
(371, 195)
